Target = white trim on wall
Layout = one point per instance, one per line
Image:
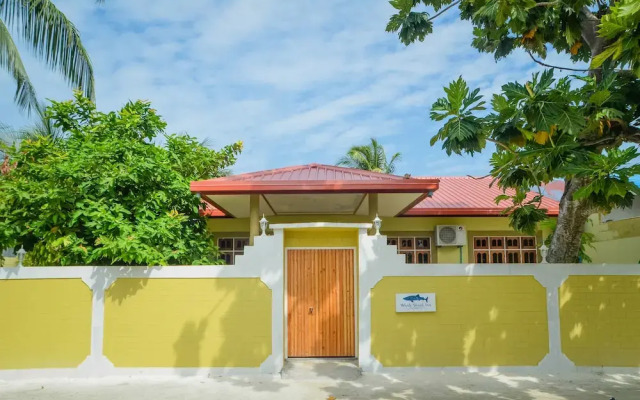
(263, 260)
(378, 260)
(266, 260)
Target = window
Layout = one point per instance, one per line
(505, 249)
(230, 247)
(416, 249)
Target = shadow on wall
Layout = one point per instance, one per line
(600, 320)
(480, 321)
(188, 346)
(188, 323)
(103, 278)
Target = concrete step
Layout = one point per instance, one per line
(321, 368)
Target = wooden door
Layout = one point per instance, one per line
(320, 303)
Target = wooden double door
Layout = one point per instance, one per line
(320, 303)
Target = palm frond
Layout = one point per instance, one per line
(8, 137)
(391, 165)
(11, 61)
(43, 126)
(53, 38)
(371, 157)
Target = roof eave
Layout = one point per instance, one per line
(462, 212)
(227, 187)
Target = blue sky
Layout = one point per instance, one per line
(298, 81)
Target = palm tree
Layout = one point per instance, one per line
(44, 126)
(369, 157)
(52, 37)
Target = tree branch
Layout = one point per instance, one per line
(547, 3)
(554, 66)
(504, 146)
(610, 140)
(444, 10)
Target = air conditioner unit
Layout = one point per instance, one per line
(451, 235)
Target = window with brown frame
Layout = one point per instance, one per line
(416, 249)
(230, 247)
(504, 249)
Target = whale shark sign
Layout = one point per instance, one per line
(415, 302)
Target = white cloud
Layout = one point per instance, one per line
(298, 82)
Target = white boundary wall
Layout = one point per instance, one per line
(378, 260)
(263, 260)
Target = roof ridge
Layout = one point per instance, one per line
(478, 178)
(309, 167)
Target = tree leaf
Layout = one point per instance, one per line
(541, 137)
(600, 97)
(598, 60)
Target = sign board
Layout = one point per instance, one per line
(415, 302)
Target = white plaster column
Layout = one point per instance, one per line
(555, 360)
(369, 249)
(271, 250)
(96, 364)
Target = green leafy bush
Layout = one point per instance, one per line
(105, 193)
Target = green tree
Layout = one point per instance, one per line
(53, 39)
(582, 128)
(370, 157)
(105, 193)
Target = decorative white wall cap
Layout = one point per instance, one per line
(322, 225)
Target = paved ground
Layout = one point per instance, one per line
(339, 382)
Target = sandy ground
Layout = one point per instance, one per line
(331, 384)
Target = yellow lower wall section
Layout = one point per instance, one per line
(222, 322)
(479, 321)
(600, 320)
(44, 323)
(321, 237)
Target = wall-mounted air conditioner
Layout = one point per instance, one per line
(451, 235)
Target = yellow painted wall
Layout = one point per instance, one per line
(223, 322)
(10, 262)
(600, 320)
(44, 323)
(614, 241)
(442, 255)
(321, 237)
(389, 224)
(479, 321)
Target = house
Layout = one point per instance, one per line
(616, 236)
(417, 213)
(322, 283)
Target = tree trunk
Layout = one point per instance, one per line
(573, 215)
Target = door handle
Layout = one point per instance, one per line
(310, 310)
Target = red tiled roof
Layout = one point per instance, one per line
(314, 178)
(209, 210)
(455, 195)
(466, 196)
(312, 172)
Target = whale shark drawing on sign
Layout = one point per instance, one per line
(417, 297)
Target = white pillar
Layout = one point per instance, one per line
(555, 360)
(97, 363)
